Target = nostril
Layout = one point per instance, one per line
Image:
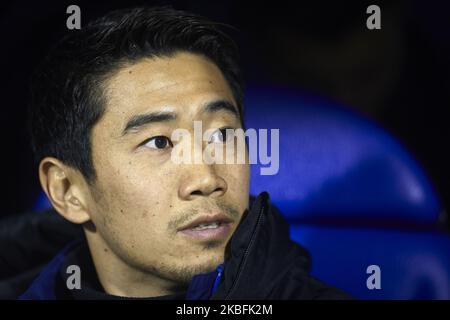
(205, 186)
(203, 193)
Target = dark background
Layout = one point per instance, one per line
(399, 75)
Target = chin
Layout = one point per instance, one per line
(183, 274)
(208, 261)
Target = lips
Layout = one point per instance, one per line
(208, 227)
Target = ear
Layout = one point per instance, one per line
(65, 188)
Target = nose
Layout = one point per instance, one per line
(202, 181)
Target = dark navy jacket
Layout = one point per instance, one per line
(43, 287)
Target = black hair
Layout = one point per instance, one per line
(68, 86)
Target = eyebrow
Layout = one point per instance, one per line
(220, 105)
(138, 121)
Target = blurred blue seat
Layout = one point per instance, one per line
(354, 197)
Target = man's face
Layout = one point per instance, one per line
(141, 199)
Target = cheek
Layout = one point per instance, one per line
(134, 203)
(237, 178)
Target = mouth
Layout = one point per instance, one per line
(208, 227)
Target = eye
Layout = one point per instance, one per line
(222, 135)
(158, 142)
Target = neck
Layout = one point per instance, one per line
(120, 279)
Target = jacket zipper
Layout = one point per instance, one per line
(219, 271)
(247, 250)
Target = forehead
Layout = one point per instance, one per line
(181, 83)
